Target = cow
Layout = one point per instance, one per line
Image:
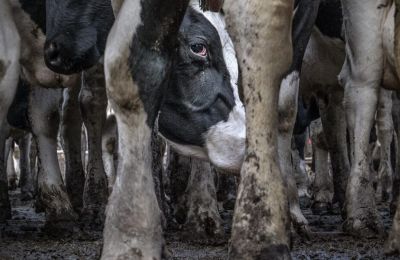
(29, 21)
(9, 74)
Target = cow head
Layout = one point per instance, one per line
(76, 33)
(202, 114)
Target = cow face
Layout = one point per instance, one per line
(76, 33)
(202, 114)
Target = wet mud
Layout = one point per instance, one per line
(24, 237)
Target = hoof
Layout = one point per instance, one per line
(364, 228)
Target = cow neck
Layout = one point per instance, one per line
(37, 11)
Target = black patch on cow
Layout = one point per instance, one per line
(37, 12)
(330, 18)
(199, 93)
(153, 49)
(18, 116)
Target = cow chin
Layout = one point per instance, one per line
(225, 142)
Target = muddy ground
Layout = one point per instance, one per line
(23, 238)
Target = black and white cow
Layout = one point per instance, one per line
(202, 91)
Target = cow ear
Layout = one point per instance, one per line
(211, 5)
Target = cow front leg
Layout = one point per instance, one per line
(110, 150)
(71, 127)
(335, 130)
(261, 223)
(26, 177)
(93, 101)
(361, 77)
(322, 186)
(203, 219)
(384, 123)
(44, 115)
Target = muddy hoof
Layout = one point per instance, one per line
(364, 228)
(320, 208)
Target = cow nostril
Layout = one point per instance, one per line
(52, 53)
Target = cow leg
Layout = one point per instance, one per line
(384, 123)
(323, 186)
(71, 126)
(265, 234)
(26, 177)
(227, 189)
(179, 174)
(299, 167)
(5, 207)
(11, 173)
(396, 174)
(288, 98)
(335, 130)
(361, 77)
(9, 72)
(203, 218)
(93, 101)
(44, 115)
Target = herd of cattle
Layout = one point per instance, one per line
(170, 68)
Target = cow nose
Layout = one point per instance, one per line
(52, 53)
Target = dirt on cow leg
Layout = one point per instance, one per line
(60, 216)
(261, 224)
(203, 222)
(362, 218)
(93, 101)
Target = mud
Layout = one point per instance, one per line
(23, 237)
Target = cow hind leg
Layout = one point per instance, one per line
(45, 120)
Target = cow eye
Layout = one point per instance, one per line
(199, 49)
